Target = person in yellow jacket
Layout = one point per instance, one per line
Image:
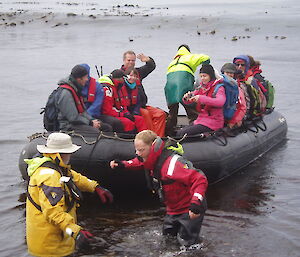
(180, 80)
(53, 192)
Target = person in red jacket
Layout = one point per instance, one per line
(180, 186)
(117, 101)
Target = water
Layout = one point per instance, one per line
(253, 213)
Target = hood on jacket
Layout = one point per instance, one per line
(72, 82)
(35, 163)
(245, 58)
(155, 152)
(182, 51)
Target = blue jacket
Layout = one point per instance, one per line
(94, 108)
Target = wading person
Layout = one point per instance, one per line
(180, 80)
(53, 193)
(179, 185)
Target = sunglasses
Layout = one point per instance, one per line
(239, 64)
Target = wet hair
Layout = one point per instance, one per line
(131, 69)
(253, 62)
(147, 136)
(128, 52)
(186, 46)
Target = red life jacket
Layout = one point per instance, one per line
(78, 99)
(121, 97)
(92, 91)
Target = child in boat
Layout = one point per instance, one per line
(210, 108)
(179, 185)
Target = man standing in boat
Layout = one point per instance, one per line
(178, 184)
(53, 193)
(180, 80)
(155, 118)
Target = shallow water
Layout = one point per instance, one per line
(253, 213)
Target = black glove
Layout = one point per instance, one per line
(197, 208)
(83, 239)
(120, 166)
(129, 116)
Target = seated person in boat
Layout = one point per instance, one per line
(53, 193)
(208, 104)
(253, 89)
(155, 118)
(93, 96)
(229, 70)
(72, 113)
(117, 101)
(179, 185)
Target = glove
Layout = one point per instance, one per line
(197, 208)
(120, 166)
(83, 239)
(104, 194)
(129, 116)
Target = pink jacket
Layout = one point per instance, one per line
(210, 108)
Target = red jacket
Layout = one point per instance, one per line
(189, 185)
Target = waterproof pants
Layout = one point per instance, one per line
(193, 130)
(138, 124)
(187, 230)
(117, 125)
(155, 119)
(173, 113)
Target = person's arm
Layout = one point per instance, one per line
(108, 104)
(146, 69)
(217, 101)
(133, 164)
(197, 59)
(83, 183)
(68, 110)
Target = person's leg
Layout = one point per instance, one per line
(191, 112)
(117, 125)
(158, 119)
(193, 130)
(85, 129)
(105, 127)
(172, 119)
(170, 226)
(140, 123)
(127, 123)
(147, 118)
(189, 231)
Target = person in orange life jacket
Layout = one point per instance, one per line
(54, 192)
(72, 114)
(210, 108)
(93, 95)
(112, 104)
(230, 70)
(155, 118)
(181, 187)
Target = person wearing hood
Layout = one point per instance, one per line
(93, 96)
(180, 79)
(179, 185)
(72, 113)
(208, 105)
(53, 193)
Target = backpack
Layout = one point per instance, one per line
(232, 96)
(271, 93)
(50, 111)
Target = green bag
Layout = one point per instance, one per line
(271, 94)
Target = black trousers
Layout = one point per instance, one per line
(193, 130)
(90, 129)
(116, 124)
(187, 230)
(173, 113)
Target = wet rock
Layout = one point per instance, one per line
(43, 17)
(234, 38)
(92, 16)
(66, 24)
(267, 37)
(247, 29)
(71, 14)
(212, 32)
(22, 22)
(56, 25)
(130, 39)
(276, 37)
(283, 37)
(198, 32)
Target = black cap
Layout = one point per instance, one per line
(208, 69)
(78, 71)
(117, 74)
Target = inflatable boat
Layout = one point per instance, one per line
(218, 154)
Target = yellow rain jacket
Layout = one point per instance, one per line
(180, 74)
(51, 232)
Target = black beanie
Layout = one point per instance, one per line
(208, 69)
(117, 74)
(78, 71)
